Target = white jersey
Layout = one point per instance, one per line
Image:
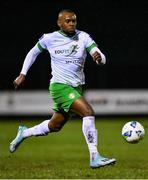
(67, 54)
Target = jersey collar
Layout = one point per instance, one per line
(62, 33)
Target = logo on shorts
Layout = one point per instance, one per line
(71, 95)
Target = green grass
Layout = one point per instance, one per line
(64, 155)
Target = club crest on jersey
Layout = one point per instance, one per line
(76, 38)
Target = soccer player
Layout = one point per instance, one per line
(68, 48)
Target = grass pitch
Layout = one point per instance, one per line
(64, 155)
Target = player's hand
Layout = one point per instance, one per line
(19, 81)
(97, 57)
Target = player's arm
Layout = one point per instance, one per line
(97, 56)
(29, 60)
(94, 51)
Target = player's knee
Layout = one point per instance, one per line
(55, 127)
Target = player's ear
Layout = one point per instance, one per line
(59, 23)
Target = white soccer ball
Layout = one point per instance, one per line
(133, 132)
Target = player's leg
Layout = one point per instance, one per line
(82, 107)
(53, 125)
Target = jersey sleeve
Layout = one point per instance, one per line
(91, 47)
(30, 59)
(89, 43)
(42, 43)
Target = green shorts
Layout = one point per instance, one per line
(64, 95)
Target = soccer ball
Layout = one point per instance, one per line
(133, 132)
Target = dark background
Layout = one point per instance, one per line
(119, 27)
